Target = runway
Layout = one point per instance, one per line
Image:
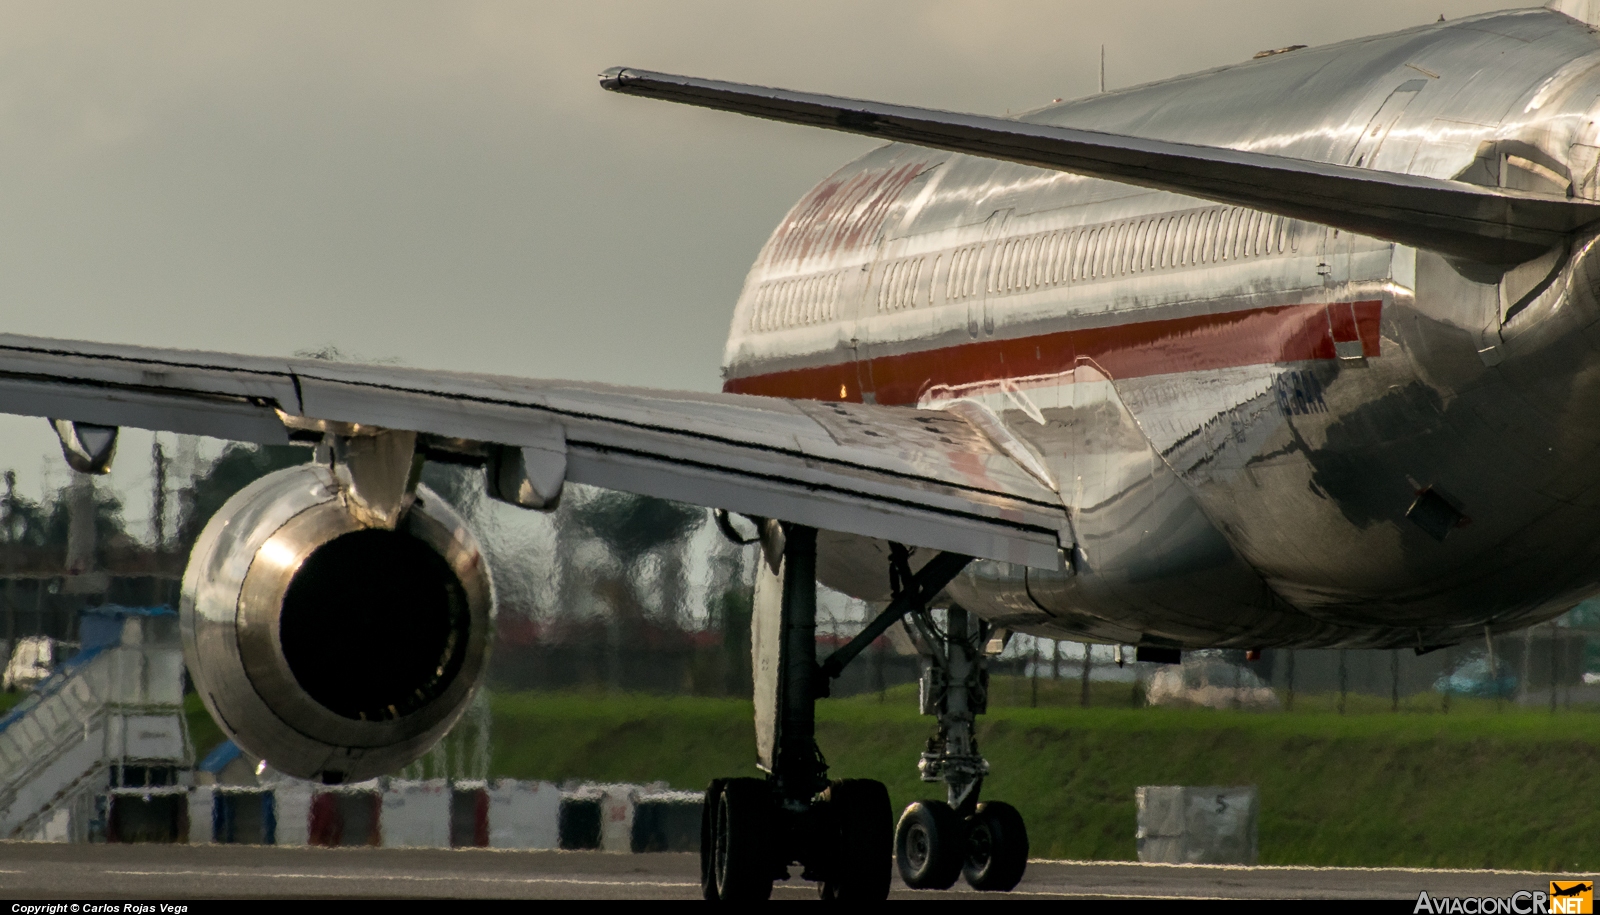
(159, 873)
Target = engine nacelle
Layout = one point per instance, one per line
(329, 649)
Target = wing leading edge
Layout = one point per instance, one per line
(1454, 218)
(924, 478)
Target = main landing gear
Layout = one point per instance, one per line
(938, 842)
(842, 830)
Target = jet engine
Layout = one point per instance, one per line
(332, 649)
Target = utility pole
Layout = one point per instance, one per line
(1102, 69)
(1494, 675)
(1088, 657)
(10, 519)
(158, 520)
(1394, 680)
(1038, 659)
(1344, 681)
(1288, 704)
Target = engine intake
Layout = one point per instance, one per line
(329, 649)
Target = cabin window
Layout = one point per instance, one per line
(900, 285)
(795, 302)
(963, 273)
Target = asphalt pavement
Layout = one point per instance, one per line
(83, 873)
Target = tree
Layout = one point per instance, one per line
(236, 468)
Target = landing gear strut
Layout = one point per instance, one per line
(840, 831)
(938, 841)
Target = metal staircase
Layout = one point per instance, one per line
(112, 709)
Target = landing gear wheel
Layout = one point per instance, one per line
(930, 846)
(708, 831)
(997, 847)
(859, 868)
(741, 863)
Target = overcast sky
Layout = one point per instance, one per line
(445, 185)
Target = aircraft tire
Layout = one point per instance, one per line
(997, 848)
(708, 828)
(741, 860)
(930, 846)
(861, 863)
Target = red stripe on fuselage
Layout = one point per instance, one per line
(1262, 336)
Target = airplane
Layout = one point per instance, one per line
(1297, 352)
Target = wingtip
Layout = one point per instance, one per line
(613, 78)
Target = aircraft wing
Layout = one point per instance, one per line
(1488, 225)
(923, 478)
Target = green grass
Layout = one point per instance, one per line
(9, 700)
(203, 732)
(1475, 787)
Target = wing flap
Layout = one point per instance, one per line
(1454, 218)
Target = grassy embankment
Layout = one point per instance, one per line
(1475, 787)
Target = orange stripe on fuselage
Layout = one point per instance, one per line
(1261, 336)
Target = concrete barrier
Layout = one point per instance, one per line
(1188, 825)
(238, 816)
(524, 814)
(292, 813)
(400, 813)
(415, 814)
(156, 814)
(346, 816)
(667, 821)
(469, 815)
(201, 811)
(616, 817)
(580, 820)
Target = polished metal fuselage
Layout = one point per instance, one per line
(1239, 410)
